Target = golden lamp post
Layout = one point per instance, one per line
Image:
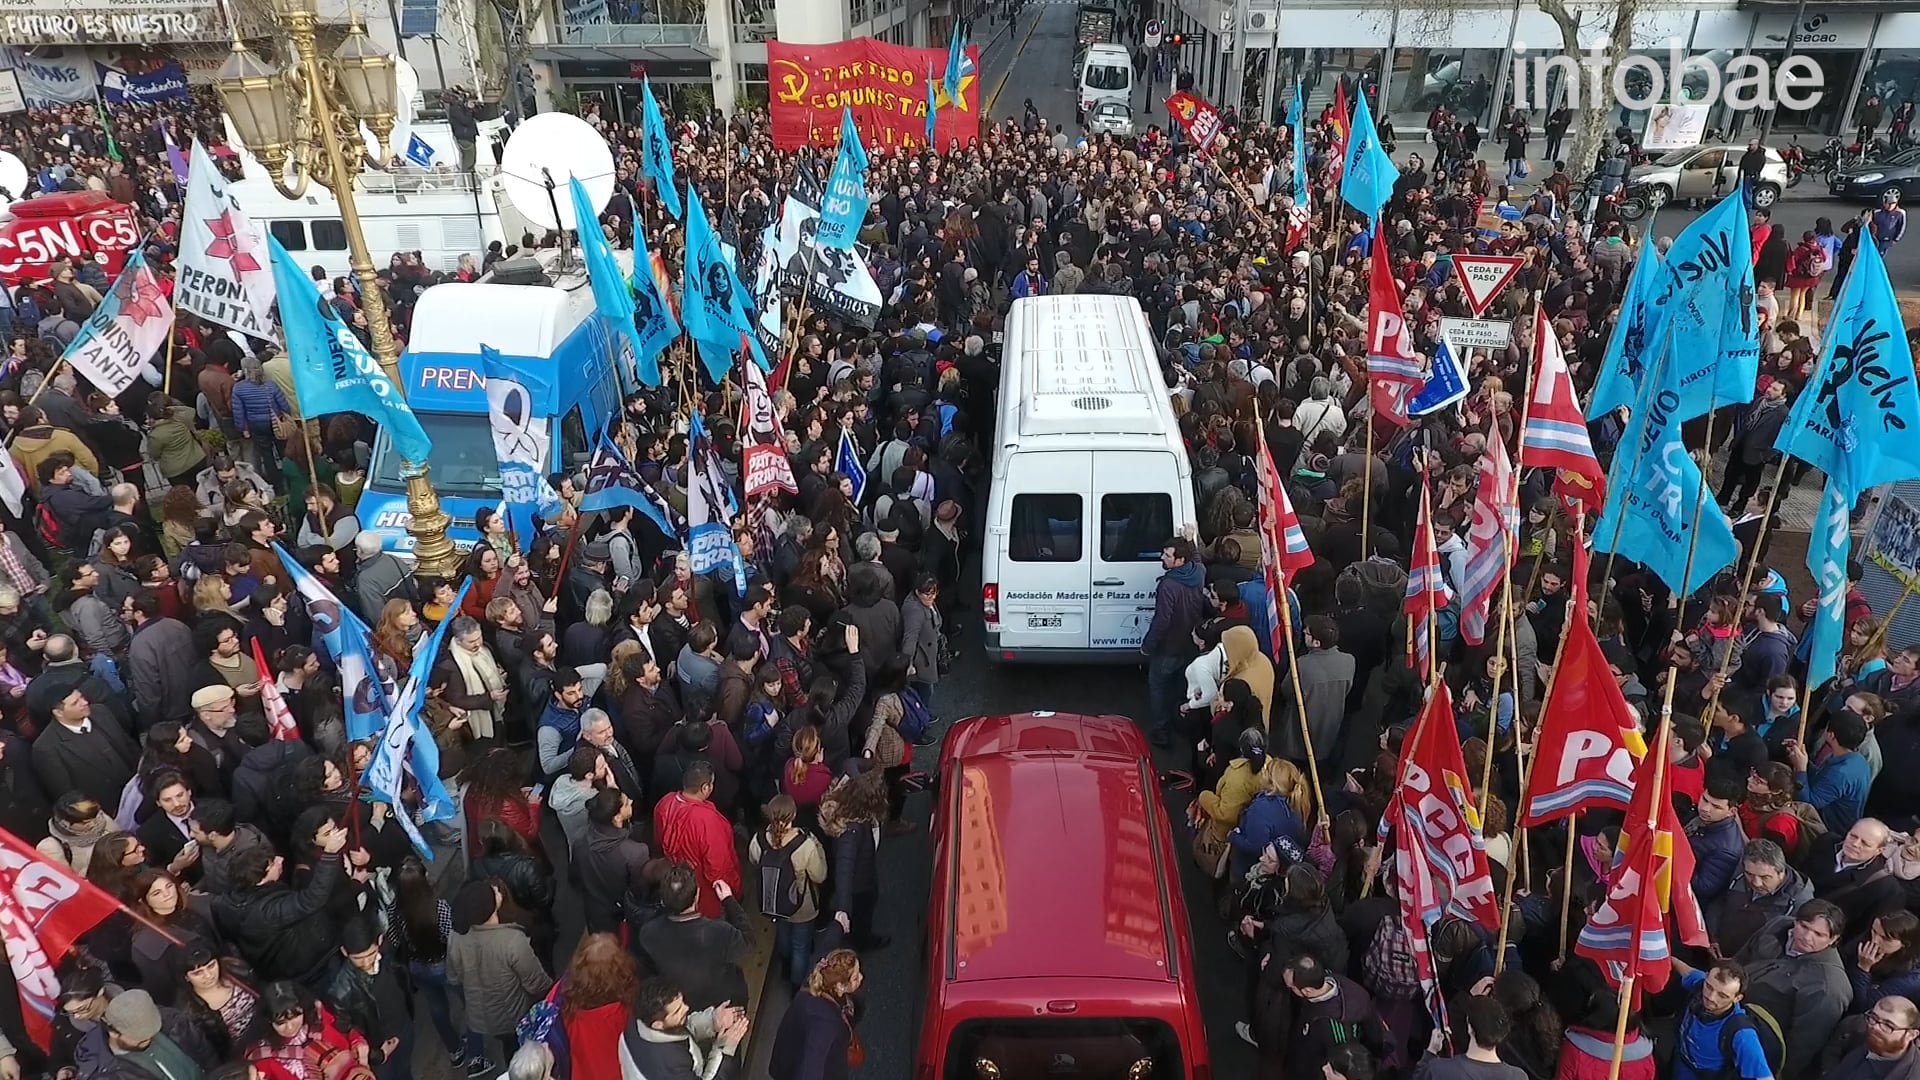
(303, 123)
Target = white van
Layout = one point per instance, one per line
(1090, 480)
(1106, 74)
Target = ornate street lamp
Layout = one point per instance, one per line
(303, 123)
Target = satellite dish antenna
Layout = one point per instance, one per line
(13, 179)
(544, 152)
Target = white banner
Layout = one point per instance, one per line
(224, 275)
(837, 282)
(130, 325)
(60, 77)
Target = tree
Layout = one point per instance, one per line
(1589, 129)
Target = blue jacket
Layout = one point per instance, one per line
(1268, 819)
(1838, 789)
(1025, 284)
(1179, 603)
(255, 404)
(1716, 857)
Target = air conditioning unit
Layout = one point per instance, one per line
(1262, 20)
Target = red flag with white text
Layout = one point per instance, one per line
(1427, 590)
(1394, 373)
(1490, 539)
(279, 718)
(44, 908)
(1283, 545)
(1652, 880)
(1555, 436)
(1437, 808)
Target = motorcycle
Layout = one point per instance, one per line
(1795, 157)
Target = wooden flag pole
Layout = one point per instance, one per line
(1880, 635)
(1366, 479)
(1546, 699)
(1284, 604)
(1509, 561)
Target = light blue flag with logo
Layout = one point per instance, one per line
(656, 152)
(1711, 326)
(1858, 421)
(1636, 340)
(1367, 181)
(956, 64)
(332, 371)
(344, 639)
(933, 103)
(1446, 383)
(1656, 506)
(1296, 120)
(612, 292)
(714, 301)
(846, 462)
(419, 151)
(613, 481)
(843, 206)
(652, 315)
(406, 744)
(521, 441)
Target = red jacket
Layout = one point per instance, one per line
(593, 1042)
(1587, 1055)
(695, 832)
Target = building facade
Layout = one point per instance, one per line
(697, 53)
(1463, 55)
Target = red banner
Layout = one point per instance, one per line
(44, 907)
(885, 85)
(1437, 808)
(1589, 736)
(1199, 119)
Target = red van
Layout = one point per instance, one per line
(1057, 938)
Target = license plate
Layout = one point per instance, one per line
(1043, 622)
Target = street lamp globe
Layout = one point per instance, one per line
(256, 98)
(367, 75)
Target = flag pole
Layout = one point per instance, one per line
(1546, 698)
(1284, 602)
(1433, 628)
(1880, 635)
(1366, 479)
(166, 375)
(1509, 561)
(1633, 466)
(1747, 576)
(1620, 1025)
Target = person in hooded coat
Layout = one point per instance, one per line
(1247, 663)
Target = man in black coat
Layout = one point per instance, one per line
(1850, 870)
(702, 955)
(611, 862)
(63, 671)
(78, 751)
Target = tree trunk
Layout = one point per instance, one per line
(1590, 126)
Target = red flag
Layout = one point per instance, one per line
(1299, 222)
(1653, 878)
(1198, 118)
(44, 907)
(1283, 545)
(1393, 368)
(1420, 906)
(1490, 539)
(279, 717)
(1555, 436)
(1436, 799)
(1426, 587)
(1342, 126)
(1589, 736)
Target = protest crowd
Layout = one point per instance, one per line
(1456, 778)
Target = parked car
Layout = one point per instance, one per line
(1704, 172)
(1898, 171)
(1111, 118)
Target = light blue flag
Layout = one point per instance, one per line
(1858, 420)
(419, 151)
(956, 64)
(613, 481)
(1446, 383)
(1656, 506)
(1296, 120)
(714, 305)
(933, 103)
(843, 207)
(1636, 340)
(405, 739)
(340, 634)
(1711, 327)
(652, 315)
(520, 442)
(1829, 544)
(332, 371)
(656, 154)
(612, 292)
(846, 462)
(1370, 173)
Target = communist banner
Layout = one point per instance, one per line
(885, 85)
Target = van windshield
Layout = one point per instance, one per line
(1108, 77)
(463, 459)
(1090, 1049)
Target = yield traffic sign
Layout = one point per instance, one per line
(1483, 276)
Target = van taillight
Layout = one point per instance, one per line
(990, 602)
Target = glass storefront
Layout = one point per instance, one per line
(1461, 79)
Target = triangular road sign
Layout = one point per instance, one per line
(1483, 276)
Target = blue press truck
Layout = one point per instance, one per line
(578, 369)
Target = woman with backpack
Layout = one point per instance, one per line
(1805, 265)
(792, 865)
(885, 749)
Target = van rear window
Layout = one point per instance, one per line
(1107, 77)
(1045, 528)
(1134, 527)
(1089, 1049)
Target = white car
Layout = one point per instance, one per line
(1111, 118)
(1705, 172)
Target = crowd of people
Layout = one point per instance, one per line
(649, 740)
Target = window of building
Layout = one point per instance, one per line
(858, 12)
(291, 234)
(752, 12)
(753, 85)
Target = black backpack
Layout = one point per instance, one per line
(1773, 1044)
(782, 893)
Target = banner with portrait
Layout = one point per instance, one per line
(838, 283)
(883, 84)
